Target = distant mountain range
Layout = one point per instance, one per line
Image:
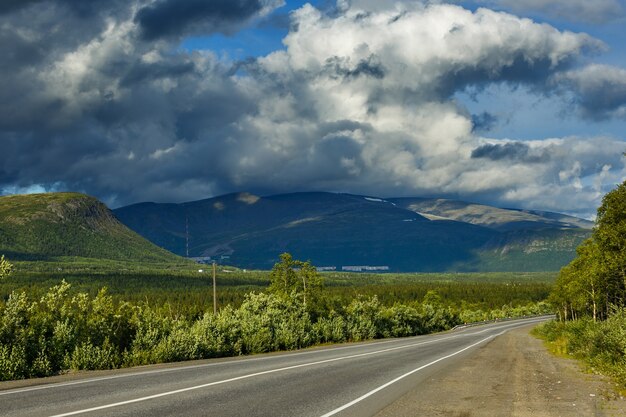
(48, 227)
(338, 230)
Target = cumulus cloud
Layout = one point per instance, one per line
(596, 11)
(566, 173)
(359, 100)
(599, 90)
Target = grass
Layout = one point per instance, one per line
(601, 346)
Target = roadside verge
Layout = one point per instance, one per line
(513, 375)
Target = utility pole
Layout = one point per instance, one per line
(214, 289)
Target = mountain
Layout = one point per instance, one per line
(405, 234)
(491, 217)
(51, 225)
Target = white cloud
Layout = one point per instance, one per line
(357, 102)
(394, 72)
(595, 11)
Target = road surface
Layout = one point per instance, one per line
(345, 380)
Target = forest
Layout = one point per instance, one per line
(57, 321)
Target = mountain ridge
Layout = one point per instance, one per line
(407, 234)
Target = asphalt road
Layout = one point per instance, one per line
(343, 380)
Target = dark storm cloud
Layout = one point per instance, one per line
(483, 122)
(7, 6)
(518, 69)
(167, 18)
(90, 107)
(515, 151)
(81, 8)
(368, 67)
(144, 72)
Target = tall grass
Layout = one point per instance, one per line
(601, 345)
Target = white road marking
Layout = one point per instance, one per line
(287, 368)
(233, 359)
(188, 367)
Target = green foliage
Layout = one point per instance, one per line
(293, 278)
(64, 329)
(596, 280)
(87, 356)
(590, 294)
(402, 320)
(602, 344)
(5, 268)
(363, 317)
(150, 316)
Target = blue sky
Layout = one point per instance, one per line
(516, 103)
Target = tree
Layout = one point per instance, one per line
(283, 279)
(587, 285)
(610, 236)
(291, 277)
(596, 279)
(5, 268)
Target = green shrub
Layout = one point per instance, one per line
(67, 330)
(331, 329)
(13, 363)
(401, 320)
(87, 356)
(364, 321)
(602, 345)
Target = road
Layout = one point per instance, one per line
(345, 380)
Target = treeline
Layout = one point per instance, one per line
(594, 283)
(590, 294)
(190, 294)
(65, 329)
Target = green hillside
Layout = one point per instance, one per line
(51, 226)
(346, 230)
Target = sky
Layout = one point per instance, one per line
(514, 103)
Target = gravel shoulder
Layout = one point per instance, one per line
(513, 375)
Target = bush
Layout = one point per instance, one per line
(13, 363)
(64, 330)
(331, 329)
(364, 321)
(401, 320)
(86, 356)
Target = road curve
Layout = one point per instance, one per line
(342, 380)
